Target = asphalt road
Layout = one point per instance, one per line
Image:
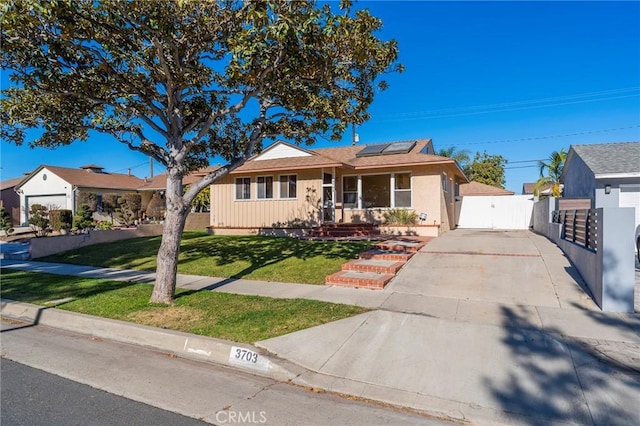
(34, 397)
(213, 393)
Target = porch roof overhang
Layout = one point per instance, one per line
(281, 166)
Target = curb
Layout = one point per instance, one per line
(239, 356)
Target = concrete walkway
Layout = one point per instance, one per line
(486, 326)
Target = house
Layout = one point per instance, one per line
(9, 199)
(289, 186)
(607, 174)
(59, 187)
(529, 188)
(482, 189)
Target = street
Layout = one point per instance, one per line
(33, 397)
(133, 377)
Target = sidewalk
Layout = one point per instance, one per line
(489, 327)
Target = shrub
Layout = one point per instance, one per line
(400, 217)
(129, 208)
(5, 221)
(83, 219)
(39, 220)
(156, 207)
(60, 219)
(90, 199)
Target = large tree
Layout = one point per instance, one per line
(184, 81)
(487, 169)
(553, 167)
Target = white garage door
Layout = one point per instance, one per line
(53, 202)
(499, 212)
(630, 197)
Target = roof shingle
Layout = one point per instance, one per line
(608, 158)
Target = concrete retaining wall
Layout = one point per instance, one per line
(40, 247)
(608, 272)
(197, 221)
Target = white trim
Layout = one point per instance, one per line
(617, 175)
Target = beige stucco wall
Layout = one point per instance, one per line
(427, 197)
(226, 211)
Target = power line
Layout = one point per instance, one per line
(550, 136)
(509, 104)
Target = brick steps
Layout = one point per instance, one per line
(380, 266)
(376, 267)
(359, 279)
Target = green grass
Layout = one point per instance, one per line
(227, 316)
(251, 257)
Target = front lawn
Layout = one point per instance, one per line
(227, 316)
(252, 257)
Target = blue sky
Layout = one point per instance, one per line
(518, 79)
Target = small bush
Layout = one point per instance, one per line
(39, 220)
(400, 217)
(5, 221)
(60, 219)
(83, 219)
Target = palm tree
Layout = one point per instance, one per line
(553, 165)
(460, 155)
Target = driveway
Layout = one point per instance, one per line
(505, 267)
(490, 327)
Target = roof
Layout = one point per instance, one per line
(528, 188)
(477, 188)
(89, 179)
(346, 157)
(10, 183)
(609, 159)
(159, 182)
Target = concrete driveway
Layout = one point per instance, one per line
(490, 327)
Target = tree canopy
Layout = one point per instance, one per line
(183, 81)
(553, 167)
(460, 155)
(487, 169)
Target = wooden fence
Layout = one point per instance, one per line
(579, 226)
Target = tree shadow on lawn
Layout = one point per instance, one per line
(264, 251)
(551, 377)
(40, 287)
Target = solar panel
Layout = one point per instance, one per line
(399, 147)
(371, 150)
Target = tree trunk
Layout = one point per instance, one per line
(167, 263)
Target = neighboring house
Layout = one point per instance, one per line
(289, 186)
(607, 174)
(477, 188)
(529, 189)
(58, 187)
(159, 183)
(9, 199)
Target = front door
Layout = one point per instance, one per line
(328, 208)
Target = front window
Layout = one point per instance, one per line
(445, 182)
(243, 188)
(376, 191)
(402, 190)
(265, 187)
(288, 186)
